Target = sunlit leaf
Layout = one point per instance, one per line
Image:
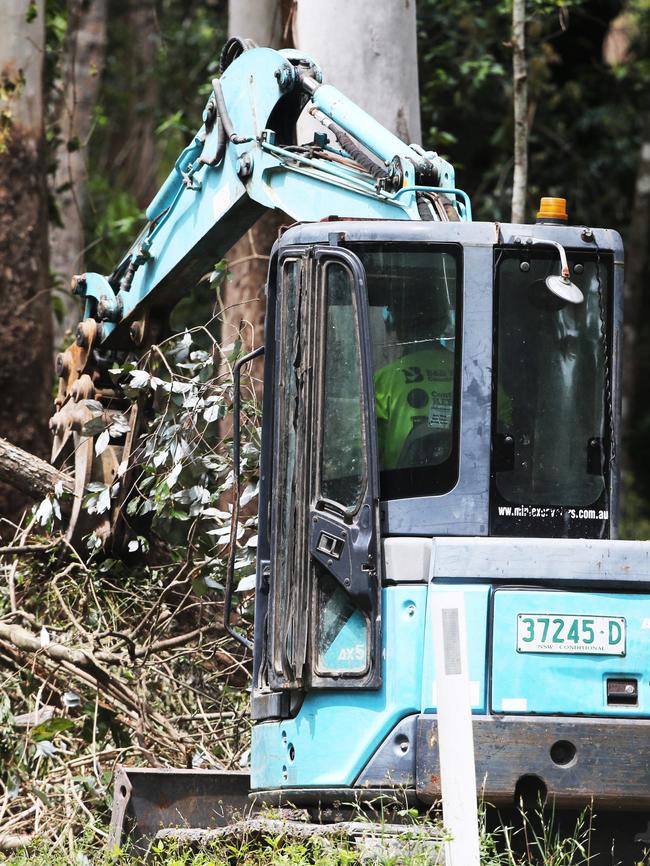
(139, 379)
(48, 730)
(46, 748)
(102, 442)
(119, 424)
(44, 512)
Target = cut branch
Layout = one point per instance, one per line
(82, 664)
(25, 640)
(12, 842)
(30, 474)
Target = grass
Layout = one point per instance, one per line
(536, 842)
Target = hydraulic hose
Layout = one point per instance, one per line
(222, 112)
(376, 169)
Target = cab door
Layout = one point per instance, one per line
(324, 617)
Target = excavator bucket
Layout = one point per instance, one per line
(148, 799)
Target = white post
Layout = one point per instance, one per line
(455, 737)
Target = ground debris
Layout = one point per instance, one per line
(372, 842)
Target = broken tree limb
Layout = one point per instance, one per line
(14, 841)
(28, 642)
(84, 665)
(30, 474)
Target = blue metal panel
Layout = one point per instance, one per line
(335, 733)
(567, 684)
(307, 193)
(476, 611)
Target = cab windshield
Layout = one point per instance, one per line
(414, 320)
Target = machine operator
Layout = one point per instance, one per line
(414, 392)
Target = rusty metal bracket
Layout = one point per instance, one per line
(121, 797)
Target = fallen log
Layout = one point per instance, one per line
(14, 841)
(30, 474)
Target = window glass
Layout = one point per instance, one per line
(412, 293)
(342, 631)
(550, 420)
(343, 468)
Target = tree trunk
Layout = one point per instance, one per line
(135, 155)
(259, 20)
(371, 58)
(266, 23)
(26, 375)
(83, 64)
(636, 282)
(520, 105)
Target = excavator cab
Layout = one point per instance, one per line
(441, 400)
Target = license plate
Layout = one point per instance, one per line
(568, 633)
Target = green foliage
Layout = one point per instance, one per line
(117, 221)
(147, 111)
(56, 28)
(635, 517)
(185, 469)
(585, 121)
(192, 36)
(535, 842)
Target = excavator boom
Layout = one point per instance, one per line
(246, 159)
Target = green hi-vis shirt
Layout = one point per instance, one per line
(415, 389)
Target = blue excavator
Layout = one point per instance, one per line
(441, 411)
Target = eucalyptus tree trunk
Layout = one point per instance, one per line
(82, 67)
(520, 106)
(635, 363)
(26, 375)
(267, 23)
(259, 20)
(368, 51)
(134, 154)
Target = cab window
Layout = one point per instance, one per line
(413, 297)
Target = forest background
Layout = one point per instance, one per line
(124, 85)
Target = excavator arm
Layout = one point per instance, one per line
(244, 159)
